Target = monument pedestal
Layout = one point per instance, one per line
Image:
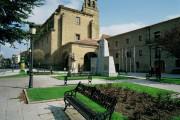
(104, 64)
(109, 67)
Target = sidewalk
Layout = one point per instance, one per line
(143, 75)
(8, 72)
(11, 108)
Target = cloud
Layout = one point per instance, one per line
(121, 28)
(173, 16)
(76, 4)
(42, 13)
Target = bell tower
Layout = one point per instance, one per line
(90, 4)
(91, 7)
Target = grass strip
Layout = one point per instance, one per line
(98, 108)
(39, 94)
(171, 80)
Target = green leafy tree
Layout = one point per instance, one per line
(38, 56)
(13, 17)
(170, 42)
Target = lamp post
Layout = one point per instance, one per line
(32, 32)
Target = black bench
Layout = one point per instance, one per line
(86, 76)
(95, 95)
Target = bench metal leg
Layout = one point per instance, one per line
(66, 104)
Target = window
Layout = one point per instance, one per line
(117, 55)
(77, 37)
(137, 65)
(140, 52)
(78, 21)
(116, 43)
(127, 41)
(94, 4)
(128, 54)
(47, 40)
(157, 35)
(157, 52)
(140, 38)
(178, 63)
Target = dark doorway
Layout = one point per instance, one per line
(160, 64)
(117, 67)
(87, 60)
(65, 57)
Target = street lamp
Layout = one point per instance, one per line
(32, 32)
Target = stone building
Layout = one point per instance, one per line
(134, 52)
(70, 33)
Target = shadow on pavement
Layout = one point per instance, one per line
(58, 113)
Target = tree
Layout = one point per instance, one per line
(13, 17)
(38, 56)
(170, 42)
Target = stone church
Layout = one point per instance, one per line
(70, 33)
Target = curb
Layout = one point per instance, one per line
(43, 101)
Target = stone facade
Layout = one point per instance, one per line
(133, 52)
(64, 31)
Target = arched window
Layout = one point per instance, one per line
(94, 4)
(89, 2)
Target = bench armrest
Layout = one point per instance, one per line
(70, 93)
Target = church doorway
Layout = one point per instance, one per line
(87, 60)
(65, 61)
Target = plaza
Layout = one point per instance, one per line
(72, 69)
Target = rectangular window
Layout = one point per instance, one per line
(117, 55)
(128, 54)
(116, 43)
(157, 52)
(78, 20)
(77, 37)
(140, 53)
(140, 38)
(127, 41)
(157, 35)
(137, 65)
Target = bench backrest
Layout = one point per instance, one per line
(96, 95)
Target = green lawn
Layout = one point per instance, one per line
(171, 80)
(61, 77)
(39, 94)
(176, 118)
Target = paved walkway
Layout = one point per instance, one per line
(11, 108)
(8, 72)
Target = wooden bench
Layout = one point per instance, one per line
(87, 76)
(106, 101)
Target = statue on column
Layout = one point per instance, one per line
(72, 64)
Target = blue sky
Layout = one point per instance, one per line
(116, 16)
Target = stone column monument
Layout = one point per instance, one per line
(103, 64)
